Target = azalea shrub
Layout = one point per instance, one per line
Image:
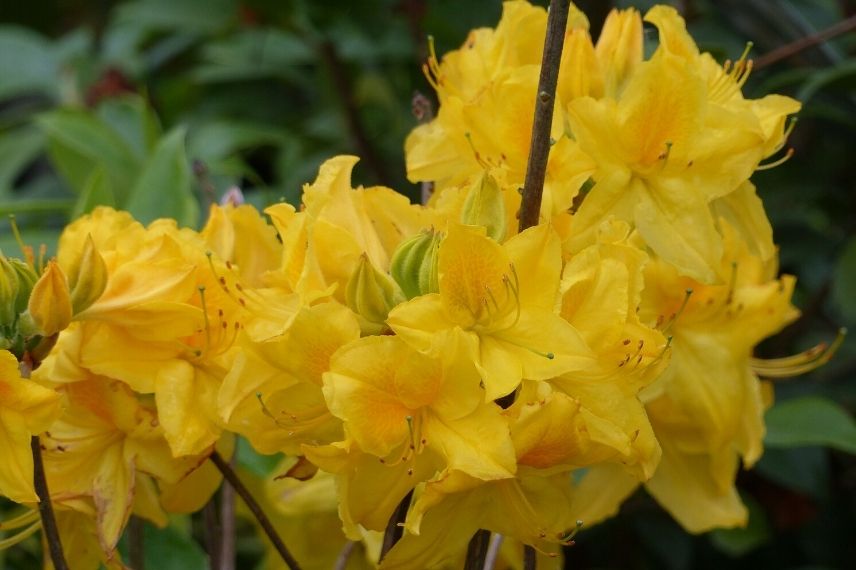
(396, 379)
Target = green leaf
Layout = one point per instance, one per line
(810, 420)
(164, 187)
(133, 120)
(27, 63)
(18, 148)
(79, 142)
(96, 192)
(200, 16)
(844, 286)
(172, 549)
(738, 541)
(253, 461)
(218, 139)
(803, 469)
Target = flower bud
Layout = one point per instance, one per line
(26, 278)
(87, 277)
(50, 301)
(8, 293)
(484, 206)
(414, 264)
(372, 294)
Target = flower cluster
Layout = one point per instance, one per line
(435, 356)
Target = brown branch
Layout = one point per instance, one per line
(345, 555)
(423, 110)
(227, 525)
(395, 526)
(477, 550)
(352, 114)
(233, 479)
(539, 149)
(212, 533)
(136, 543)
(40, 483)
(530, 559)
(804, 43)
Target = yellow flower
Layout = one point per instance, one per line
(498, 302)
(50, 301)
(26, 409)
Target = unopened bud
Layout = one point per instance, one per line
(484, 206)
(87, 277)
(372, 294)
(8, 293)
(414, 264)
(50, 301)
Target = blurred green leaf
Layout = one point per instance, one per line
(134, 120)
(259, 465)
(739, 541)
(844, 286)
(804, 469)
(172, 549)
(215, 140)
(27, 62)
(200, 16)
(253, 54)
(18, 148)
(79, 142)
(96, 192)
(164, 188)
(810, 420)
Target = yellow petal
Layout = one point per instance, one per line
(50, 301)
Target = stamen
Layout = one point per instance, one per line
(794, 365)
(732, 284)
(205, 317)
(20, 520)
(26, 251)
(775, 163)
(21, 536)
(568, 537)
(687, 294)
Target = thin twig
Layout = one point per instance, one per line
(352, 114)
(40, 483)
(345, 555)
(212, 533)
(395, 526)
(136, 543)
(477, 550)
(539, 149)
(804, 43)
(227, 525)
(530, 559)
(423, 111)
(232, 477)
(490, 559)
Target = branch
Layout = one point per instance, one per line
(352, 113)
(539, 149)
(802, 44)
(530, 559)
(227, 525)
(40, 483)
(477, 550)
(232, 477)
(136, 543)
(395, 526)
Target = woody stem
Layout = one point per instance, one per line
(233, 479)
(394, 528)
(539, 149)
(40, 483)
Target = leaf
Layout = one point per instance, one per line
(200, 16)
(27, 63)
(79, 142)
(163, 188)
(96, 192)
(810, 420)
(803, 469)
(253, 54)
(253, 461)
(844, 286)
(18, 147)
(172, 549)
(132, 119)
(738, 541)
(218, 139)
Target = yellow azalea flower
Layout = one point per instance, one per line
(100, 446)
(26, 409)
(498, 302)
(240, 236)
(601, 291)
(619, 48)
(272, 394)
(392, 397)
(707, 408)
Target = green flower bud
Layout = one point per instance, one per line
(372, 294)
(484, 206)
(27, 278)
(414, 264)
(8, 293)
(87, 277)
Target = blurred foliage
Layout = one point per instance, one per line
(160, 106)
